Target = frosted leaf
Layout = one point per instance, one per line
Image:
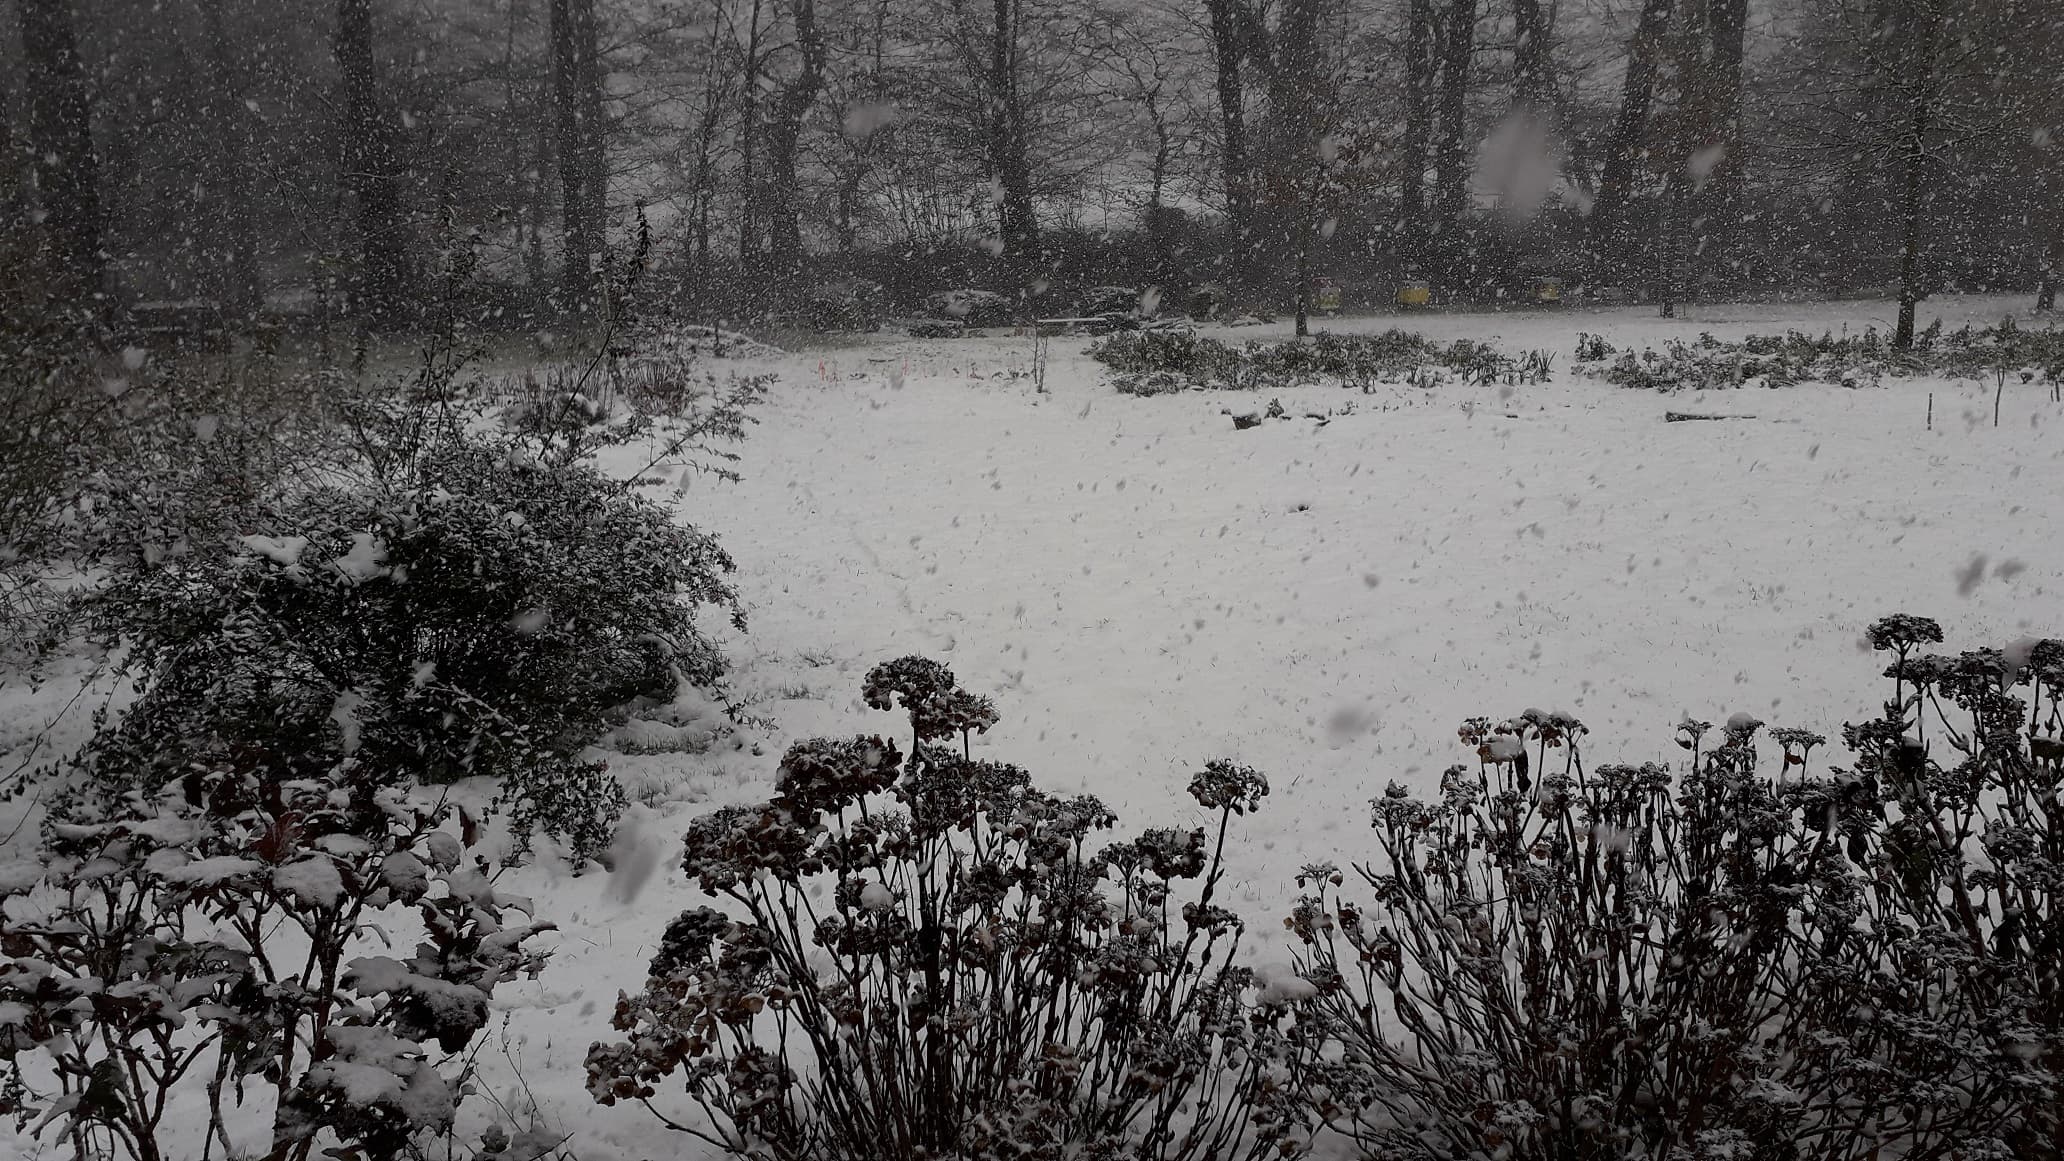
(19, 876)
(284, 550)
(214, 871)
(313, 881)
(405, 875)
(444, 850)
(344, 712)
(168, 832)
(366, 559)
(469, 884)
(376, 973)
(1280, 984)
(342, 845)
(165, 859)
(1504, 748)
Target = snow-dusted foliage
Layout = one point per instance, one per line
(205, 944)
(2004, 349)
(1160, 362)
(1594, 963)
(459, 607)
(926, 956)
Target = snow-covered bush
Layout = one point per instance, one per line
(1155, 362)
(927, 957)
(1850, 360)
(1590, 963)
(458, 608)
(976, 308)
(202, 944)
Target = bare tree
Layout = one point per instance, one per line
(1152, 60)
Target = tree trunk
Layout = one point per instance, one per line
(1158, 242)
(1625, 149)
(1296, 130)
(1914, 158)
(784, 218)
(67, 171)
(372, 174)
(238, 274)
(2052, 241)
(595, 130)
(1727, 184)
(571, 20)
(1230, 28)
(1419, 80)
(1008, 143)
(1919, 30)
(749, 191)
(1533, 80)
(1451, 157)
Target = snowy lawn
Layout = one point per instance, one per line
(1142, 588)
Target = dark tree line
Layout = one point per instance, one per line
(318, 155)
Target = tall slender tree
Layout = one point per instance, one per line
(373, 175)
(1626, 149)
(783, 213)
(1915, 29)
(1727, 28)
(1005, 135)
(232, 196)
(1533, 77)
(1418, 139)
(1235, 35)
(577, 113)
(1451, 152)
(67, 170)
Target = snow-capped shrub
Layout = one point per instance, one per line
(462, 608)
(926, 956)
(1147, 362)
(204, 944)
(1596, 962)
(976, 308)
(1847, 359)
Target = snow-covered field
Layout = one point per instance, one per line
(1142, 588)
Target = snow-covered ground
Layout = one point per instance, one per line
(1143, 588)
